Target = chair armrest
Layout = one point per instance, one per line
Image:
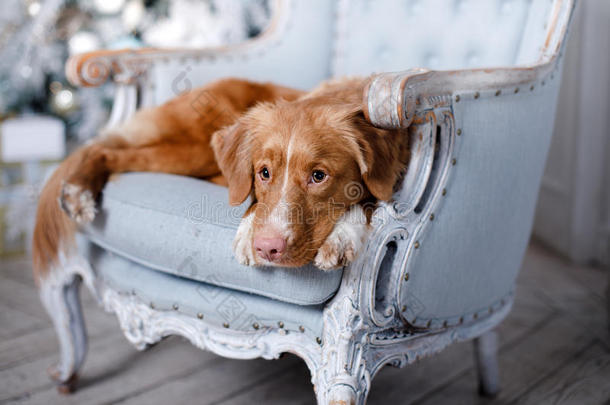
(391, 100)
(92, 69)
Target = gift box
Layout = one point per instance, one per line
(32, 147)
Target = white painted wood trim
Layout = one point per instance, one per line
(574, 210)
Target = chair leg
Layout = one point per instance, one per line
(608, 299)
(486, 357)
(341, 389)
(343, 378)
(62, 301)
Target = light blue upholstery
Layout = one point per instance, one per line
(185, 226)
(459, 34)
(470, 254)
(220, 306)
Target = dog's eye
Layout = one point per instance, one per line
(318, 176)
(264, 173)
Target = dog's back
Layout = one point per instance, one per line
(171, 138)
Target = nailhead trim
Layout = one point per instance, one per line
(516, 90)
(444, 192)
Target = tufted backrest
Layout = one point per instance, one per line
(310, 40)
(393, 35)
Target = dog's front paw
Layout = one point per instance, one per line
(336, 252)
(78, 203)
(242, 244)
(345, 241)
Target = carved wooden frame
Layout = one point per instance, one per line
(342, 364)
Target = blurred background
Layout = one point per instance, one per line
(42, 117)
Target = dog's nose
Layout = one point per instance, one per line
(270, 249)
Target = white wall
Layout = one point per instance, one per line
(573, 213)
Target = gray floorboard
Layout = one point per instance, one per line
(554, 348)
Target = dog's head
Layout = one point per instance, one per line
(305, 163)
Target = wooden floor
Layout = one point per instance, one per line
(554, 349)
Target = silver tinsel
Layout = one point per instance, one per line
(28, 50)
(36, 35)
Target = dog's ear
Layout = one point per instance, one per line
(232, 151)
(381, 156)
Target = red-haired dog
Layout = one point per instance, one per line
(309, 162)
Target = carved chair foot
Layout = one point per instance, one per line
(343, 377)
(60, 297)
(486, 357)
(342, 395)
(484, 393)
(63, 387)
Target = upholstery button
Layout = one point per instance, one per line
(414, 7)
(431, 60)
(506, 7)
(383, 53)
(459, 6)
(473, 59)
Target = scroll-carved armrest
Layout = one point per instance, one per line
(92, 69)
(390, 100)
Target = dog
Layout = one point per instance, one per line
(310, 163)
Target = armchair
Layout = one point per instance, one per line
(441, 262)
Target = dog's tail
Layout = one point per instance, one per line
(54, 230)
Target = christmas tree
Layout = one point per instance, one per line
(37, 37)
(40, 111)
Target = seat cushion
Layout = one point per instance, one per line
(184, 226)
(217, 306)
